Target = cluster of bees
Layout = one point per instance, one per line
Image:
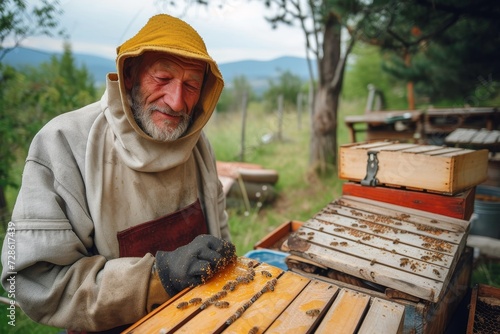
(217, 298)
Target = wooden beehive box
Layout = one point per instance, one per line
(275, 238)
(406, 250)
(459, 206)
(283, 302)
(484, 310)
(421, 316)
(445, 170)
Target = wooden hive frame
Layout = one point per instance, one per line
(400, 248)
(293, 304)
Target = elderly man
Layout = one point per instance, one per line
(120, 206)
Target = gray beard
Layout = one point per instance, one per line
(143, 118)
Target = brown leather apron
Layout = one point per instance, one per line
(165, 233)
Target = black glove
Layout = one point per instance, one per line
(194, 263)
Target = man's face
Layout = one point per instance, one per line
(164, 91)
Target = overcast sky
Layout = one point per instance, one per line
(238, 31)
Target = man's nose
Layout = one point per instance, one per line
(174, 96)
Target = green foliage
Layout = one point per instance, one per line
(289, 85)
(32, 96)
(19, 20)
(366, 69)
(449, 50)
(232, 96)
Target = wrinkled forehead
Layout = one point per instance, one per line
(166, 59)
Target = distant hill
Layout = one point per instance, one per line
(257, 72)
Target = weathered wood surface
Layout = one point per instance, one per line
(420, 316)
(283, 302)
(407, 250)
(459, 206)
(445, 170)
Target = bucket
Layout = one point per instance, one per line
(486, 221)
(274, 258)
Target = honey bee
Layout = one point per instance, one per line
(195, 301)
(404, 261)
(313, 312)
(270, 285)
(250, 264)
(182, 305)
(343, 243)
(231, 319)
(229, 286)
(237, 314)
(221, 294)
(257, 295)
(222, 304)
(266, 273)
(310, 233)
(243, 279)
(205, 304)
(253, 330)
(436, 272)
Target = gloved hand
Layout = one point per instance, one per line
(194, 263)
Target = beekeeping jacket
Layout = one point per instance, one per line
(93, 174)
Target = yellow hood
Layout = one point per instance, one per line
(171, 35)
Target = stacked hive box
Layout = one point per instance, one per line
(399, 230)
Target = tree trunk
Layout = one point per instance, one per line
(409, 84)
(324, 130)
(324, 117)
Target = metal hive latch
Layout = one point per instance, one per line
(371, 170)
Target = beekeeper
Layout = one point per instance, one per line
(120, 206)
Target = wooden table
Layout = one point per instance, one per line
(380, 124)
(292, 304)
(475, 139)
(446, 120)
